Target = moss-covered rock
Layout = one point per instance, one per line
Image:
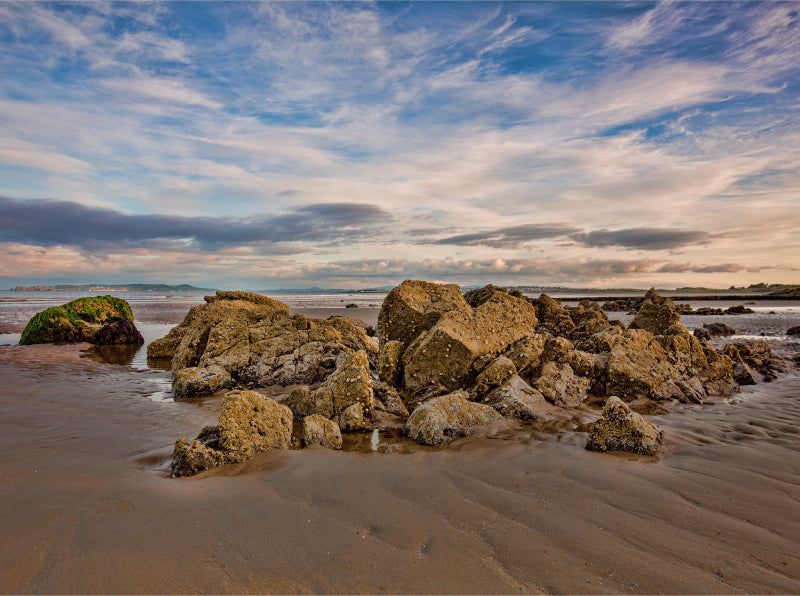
(103, 320)
(621, 429)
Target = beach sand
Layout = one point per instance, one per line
(87, 504)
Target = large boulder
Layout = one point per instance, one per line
(553, 318)
(638, 366)
(102, 320)
(248, 423)
(759, 358)
(691, 358)
(390, 361)
(444, 354)
(621, 429)
(478, 296)
(447, 417)
(257, 341)
(415, 306)
(656, 314)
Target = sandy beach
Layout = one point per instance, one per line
(87, 504)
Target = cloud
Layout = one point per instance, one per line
(53, 223)
(642, 238)
(721, 268)
(510, 237)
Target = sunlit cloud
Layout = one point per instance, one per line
(601, 143)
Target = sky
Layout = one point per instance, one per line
(353, 145)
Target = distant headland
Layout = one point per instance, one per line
(112, 288)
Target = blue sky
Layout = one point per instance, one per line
(267, 145)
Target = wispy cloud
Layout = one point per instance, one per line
(578, 136)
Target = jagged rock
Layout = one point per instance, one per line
(526, 354)
(516, 399)
(638, 365)
(692, 389)
(552, 316)
(702, 334)
(743, 375)
(352, 418)
(447, 417)
(164, 348)
(497, 371)
(556, 348)
(388, 399)
(248, 423)
(415, 306)
(715, 330)
(350, 383)
(656, 314)
(559, 385)
(444, 354)
(478, 296)
(588, 319)
(621, 429)
(304, 401)
(690, 358)
(318, 430)
(389, 362)
(758, 356)
(257, 341)
(196, 382)
(102, 320)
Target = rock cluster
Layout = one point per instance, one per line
(442, 365)
(101, 320)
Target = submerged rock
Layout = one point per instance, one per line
(447, 417)
(102, 320)
(622, 429)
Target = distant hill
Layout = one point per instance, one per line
(112, 288)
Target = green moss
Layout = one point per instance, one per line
(71, 321)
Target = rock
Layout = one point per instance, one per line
(164, 348)
(388, 399)
(621, 429)
(690, 358)
(656, 314)
(248, 423)
(716, 330)
(447, 417)
(516, 399)
(559, 385)
(692, 389)
(738, 310)
(478, 296)
(793, 330)
(759, 358)
(352, 418)
(552, 316)
(196, 382)
(743, 375)
(257, 341)
(318, 430)
(444, 354)
(702, 333)
(389, 362)
(497, 371)
(556, 348)
(102, 320)
(638, 366)
(526, 354)
(415, 306)
(303, 401)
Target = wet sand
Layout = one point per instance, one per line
(86, 504)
